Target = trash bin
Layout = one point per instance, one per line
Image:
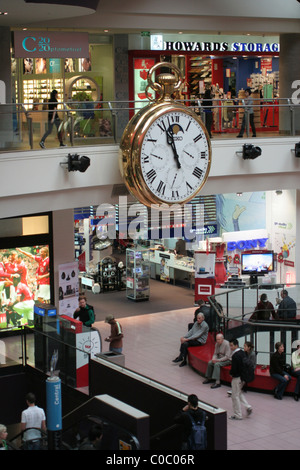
(116, 358)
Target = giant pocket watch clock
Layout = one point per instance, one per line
(165, 151)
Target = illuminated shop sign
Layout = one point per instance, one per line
(247, 244)
(51, 44)
(220, 46)
(157, 43)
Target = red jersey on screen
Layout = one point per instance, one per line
(3, 272)
(24, 291)
(22, 271)
(11, 268)
(42, 269)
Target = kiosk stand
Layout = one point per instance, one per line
(83, 342)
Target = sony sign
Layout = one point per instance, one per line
(247, 244)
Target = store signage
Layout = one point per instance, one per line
(185, 46)
(51, 44)
(211, 229)
(247, 244)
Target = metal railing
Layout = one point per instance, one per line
(91, 123)
(235, 307)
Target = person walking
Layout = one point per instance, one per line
(237, 396)
(53, 119)
(248, 109)
(115, 339)
(33, 420)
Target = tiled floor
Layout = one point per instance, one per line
(151, 341)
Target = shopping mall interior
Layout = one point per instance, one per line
(73, 207)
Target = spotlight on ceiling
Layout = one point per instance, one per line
(77, 163)
(297, 150)
(250, 152)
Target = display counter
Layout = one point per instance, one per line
(168, 267)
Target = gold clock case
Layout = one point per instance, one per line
(131, 144)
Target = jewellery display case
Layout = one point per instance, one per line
(137, 274)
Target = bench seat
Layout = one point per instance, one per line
(199, 356)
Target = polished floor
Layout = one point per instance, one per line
(151, 341)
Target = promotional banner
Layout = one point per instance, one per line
(68, 288)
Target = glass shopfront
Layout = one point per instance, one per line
(225, 64)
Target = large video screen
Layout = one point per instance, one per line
(257, 264)
(24, 280)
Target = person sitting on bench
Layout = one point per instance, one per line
(221, 358)
(196, 336)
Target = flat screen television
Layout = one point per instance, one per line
(24, 280)
(257, 264)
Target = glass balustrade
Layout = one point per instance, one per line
(102, 122)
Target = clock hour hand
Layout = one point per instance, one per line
(170, 140)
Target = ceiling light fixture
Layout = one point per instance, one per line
(76, 163)
(250, 152)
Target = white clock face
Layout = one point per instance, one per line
(175, 157)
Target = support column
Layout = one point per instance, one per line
(63, 244)
(6, 121)
(289, 79)
(121, 80)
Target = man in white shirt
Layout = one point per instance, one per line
(32, 417)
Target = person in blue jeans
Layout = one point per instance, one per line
(277, 371)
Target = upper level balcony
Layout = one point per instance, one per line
(36, 177)
(102, 122)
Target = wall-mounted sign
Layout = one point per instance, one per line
(211, 46)
(51, 44)
(247, 244)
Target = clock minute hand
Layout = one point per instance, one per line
(170, 140)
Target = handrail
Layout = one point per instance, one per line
(240, 326)
(107, 117)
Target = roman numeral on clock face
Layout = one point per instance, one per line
(161, 187)
(197, 172)
(162, 126)
(151, 175)
(197, 138)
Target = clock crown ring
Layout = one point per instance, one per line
(167, 83)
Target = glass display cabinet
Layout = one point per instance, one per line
(137, 273)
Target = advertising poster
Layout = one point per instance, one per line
(27, 66)
(141, 67)
(164, 267)
(242, 211)
(204, 264)
(68, 288)
(54, 65)
(40, 66)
